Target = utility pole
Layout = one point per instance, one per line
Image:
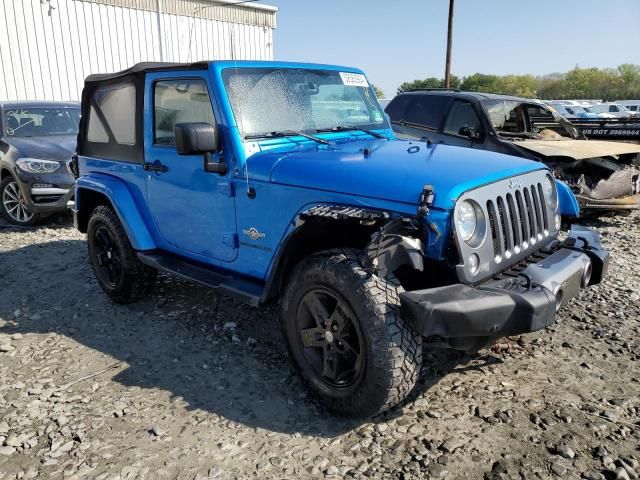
(447, 66)
(159, 15)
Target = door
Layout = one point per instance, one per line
(193, 210)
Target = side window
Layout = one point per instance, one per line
(112, 113)
(427, 110)
(397, 107)
(613, 108)
(96, 132)
(179, 101)
(461, 115)
(633, 108)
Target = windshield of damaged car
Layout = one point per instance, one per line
(267, 100)
(504, 115)
(41, 122)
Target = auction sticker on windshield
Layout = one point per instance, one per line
(354, 79)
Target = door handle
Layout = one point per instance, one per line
(155, 167)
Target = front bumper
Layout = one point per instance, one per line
(630, 202)
(523, 299)
(47, 192)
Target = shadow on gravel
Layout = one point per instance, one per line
(181, 340)
(58, 221)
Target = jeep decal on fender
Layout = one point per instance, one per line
(253, 233)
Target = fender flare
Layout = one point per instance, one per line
(324, 210)
(569, 206)
(122, 202)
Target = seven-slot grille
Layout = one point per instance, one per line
(518, 219)
(515, 220)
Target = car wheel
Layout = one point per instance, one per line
(115, 264)
(12, 205)
(346, 334)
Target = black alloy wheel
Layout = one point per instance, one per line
(346, 334)
(107, 258)
(114, 261)
(330, 337)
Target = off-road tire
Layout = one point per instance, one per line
(136, 279)
(393, 351)
(33, 221)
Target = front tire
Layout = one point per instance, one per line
(12, 205)
(115, 264)
(346, 334)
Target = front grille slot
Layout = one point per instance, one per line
(531, 216)
(523, 219)
(493, 223)
(517, 221)
(545, 217)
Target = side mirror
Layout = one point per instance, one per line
(200, 138)
(469, 132)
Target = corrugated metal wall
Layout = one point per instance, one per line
(48, 47)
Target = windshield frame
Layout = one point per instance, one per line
(10, 109)
(367, 99)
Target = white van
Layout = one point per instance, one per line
(614, 108)
(631, 105)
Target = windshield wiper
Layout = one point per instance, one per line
(287, 133)
(342, 128)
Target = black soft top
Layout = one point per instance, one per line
(143, 67)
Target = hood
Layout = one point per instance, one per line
(393, 170)
(577, 149)
(54, 147)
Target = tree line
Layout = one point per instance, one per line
(606, 84)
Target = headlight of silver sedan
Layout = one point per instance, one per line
(36, 165)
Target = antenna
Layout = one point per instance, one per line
(213, 4)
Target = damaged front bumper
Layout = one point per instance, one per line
(630, 202)
(518, 301)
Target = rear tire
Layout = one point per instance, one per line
(346, 334)
(114, 261)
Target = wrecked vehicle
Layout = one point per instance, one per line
(604, 175)
(284, 182)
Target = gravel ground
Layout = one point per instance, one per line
(192, 385)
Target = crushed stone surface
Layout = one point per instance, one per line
(189, 384)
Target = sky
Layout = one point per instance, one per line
(404, 40)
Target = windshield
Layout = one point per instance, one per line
(41, 122)
(516, 119)
(268, 100)
(504, 114)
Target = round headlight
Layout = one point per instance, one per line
(550, 191)
(466, 220)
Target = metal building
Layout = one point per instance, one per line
(48, 47)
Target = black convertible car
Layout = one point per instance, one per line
(36, 141)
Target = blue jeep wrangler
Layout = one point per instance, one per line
(276, 181)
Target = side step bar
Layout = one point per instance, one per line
(244, 289)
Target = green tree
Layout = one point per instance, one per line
(379, 93)
(431, 82)
(480, 82)
(620, 83)
(629, 72)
